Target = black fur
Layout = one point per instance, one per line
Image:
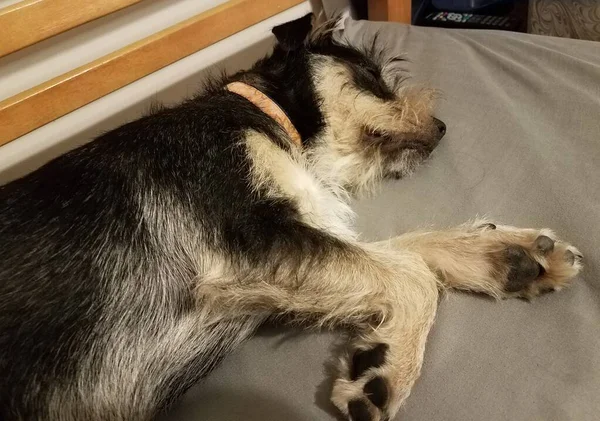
(70, 208)
(377, 392)
(364, 360)
(292, 35)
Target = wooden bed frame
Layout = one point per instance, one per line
(390, 10)
(27, 22)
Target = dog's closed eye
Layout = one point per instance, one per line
(373, 132)
(379, 139)
(373, 135)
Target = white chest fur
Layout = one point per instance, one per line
(321, 204)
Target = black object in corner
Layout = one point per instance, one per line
(508, 15)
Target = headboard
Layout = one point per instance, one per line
(31, 21)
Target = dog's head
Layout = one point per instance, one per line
(374, 124)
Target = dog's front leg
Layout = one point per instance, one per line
(387, 297)
(498, 260)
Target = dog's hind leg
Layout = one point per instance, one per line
(387, 297)
(498, 260)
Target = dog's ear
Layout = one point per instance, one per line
(291, 35)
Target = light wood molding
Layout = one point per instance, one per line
(31, 21)
(390, 10)
(37, 106)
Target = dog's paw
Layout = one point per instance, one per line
(364, 391)
(535, 261)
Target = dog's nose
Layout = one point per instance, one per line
(440, 126)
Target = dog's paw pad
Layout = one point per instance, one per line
(544, 244)
(570, 257)
(363, 360)
(523, 269)
(376, 391)
(358, 410)
(541, 265)
(573, 257)
(364, 390)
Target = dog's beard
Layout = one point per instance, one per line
(405, 163)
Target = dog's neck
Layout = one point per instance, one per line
(287, 80)
(267, 106)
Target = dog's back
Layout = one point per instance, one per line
(99, 250)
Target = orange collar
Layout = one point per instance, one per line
(267, 106)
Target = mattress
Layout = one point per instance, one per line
(523, 147)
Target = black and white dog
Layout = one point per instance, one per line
(130, 266)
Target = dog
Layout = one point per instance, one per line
(132, 265)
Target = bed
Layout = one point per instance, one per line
(523, 146)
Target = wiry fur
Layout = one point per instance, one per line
(132, 265)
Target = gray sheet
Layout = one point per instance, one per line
(523, 146)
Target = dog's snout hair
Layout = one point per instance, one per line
(132, 265)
